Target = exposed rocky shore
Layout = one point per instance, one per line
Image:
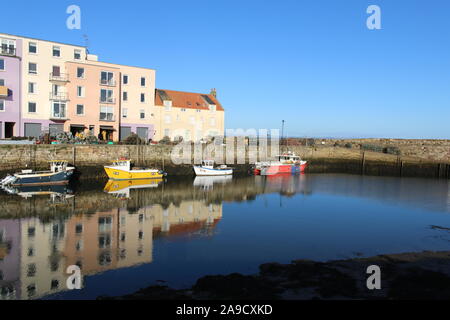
(423, 275)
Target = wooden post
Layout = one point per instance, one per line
(74, 156)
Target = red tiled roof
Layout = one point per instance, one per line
(186, 100)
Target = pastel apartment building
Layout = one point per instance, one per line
(55, 87)
(192, 116)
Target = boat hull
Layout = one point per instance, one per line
(43, 179)
(203, 172)
(118, 174)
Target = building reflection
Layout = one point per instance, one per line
(35, 253)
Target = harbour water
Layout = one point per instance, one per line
(129, 236)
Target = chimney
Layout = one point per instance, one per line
(214, 93)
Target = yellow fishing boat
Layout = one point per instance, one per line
(123, 170)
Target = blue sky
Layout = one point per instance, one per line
(312, 63)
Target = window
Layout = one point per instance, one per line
(106, 96)
(31, 232)
(8, 47)
(167, 119)
(2, 64)
(213, 122)
(167, 133)
(77, 54)
(32, 47)
(125, 79)
(31, 87)
(168, 105)
(107, 78)
(124, 113)
(79, 229)
(31, 272)
(80, 73)
(125, 96)
(54, 284)
(31, 107)
(143, 82)
(59, 110)
(192, 120)
(56, 51)
(212, 108)
(2, 82)
(183, 110)
(80, 110)
(106, 113)
(142, 113)
(32, 68)
(142, 97)
(2, 105)
(80, 92)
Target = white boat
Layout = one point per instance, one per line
(207, 169)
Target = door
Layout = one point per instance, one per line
(143, 133)
(125, 132)
(33, 130)
(55, 129)
(9, 130)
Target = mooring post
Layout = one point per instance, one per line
(363, 164)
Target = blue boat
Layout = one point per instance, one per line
(59, 174)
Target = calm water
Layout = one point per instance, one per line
(126, 237)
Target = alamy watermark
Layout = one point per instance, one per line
(73, 22)
(374, 281)
(239, 146)
(374, 20)
(75, 280)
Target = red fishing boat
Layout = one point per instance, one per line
(288, 163)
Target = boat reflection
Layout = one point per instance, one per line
(122, 189)
(207, 183)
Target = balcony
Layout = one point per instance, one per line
(8, 51)
(59, 96)
(59, 77)
(107, 83)
(105, 100)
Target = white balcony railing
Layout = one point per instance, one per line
(59, 96)
(109, 83)
(60, 77)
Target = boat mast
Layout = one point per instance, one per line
(282, 135)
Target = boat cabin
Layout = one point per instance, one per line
(289, 158)
(58, 165)
(122, 163)
(208, 164)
